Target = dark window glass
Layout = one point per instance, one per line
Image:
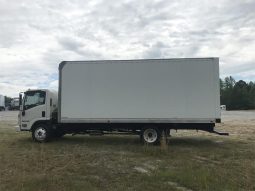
(34, 98)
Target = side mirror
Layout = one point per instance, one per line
(20, 99)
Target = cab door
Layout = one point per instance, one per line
(34, 108)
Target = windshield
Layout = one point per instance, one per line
(34, 98)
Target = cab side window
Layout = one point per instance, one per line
(34, 98)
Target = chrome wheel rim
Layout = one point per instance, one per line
(40, 134)
(150, 135)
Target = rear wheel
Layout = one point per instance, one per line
(151, 135)
(41, 133)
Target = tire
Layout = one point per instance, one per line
(41, 133)
(151, 135)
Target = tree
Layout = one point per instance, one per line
(251, 88)
(240, 96)
(7, 100)
(237, 95)
(229, 82)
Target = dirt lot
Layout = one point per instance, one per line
(192, 161)
(10, 116)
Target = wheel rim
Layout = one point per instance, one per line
(150, 135)
(40, 134)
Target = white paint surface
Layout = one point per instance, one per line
(167, 89)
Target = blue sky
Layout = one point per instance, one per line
(35, 36)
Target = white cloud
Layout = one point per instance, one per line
(14, 90)
(35, 36)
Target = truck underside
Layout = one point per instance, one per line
(150, 133)
(130, 127)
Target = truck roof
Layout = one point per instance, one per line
(43, 89)
(61, 64)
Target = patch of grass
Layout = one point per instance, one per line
(122, 163)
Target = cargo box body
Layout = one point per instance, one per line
(139, 91)
(2, 102)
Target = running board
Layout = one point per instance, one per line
(219, 133)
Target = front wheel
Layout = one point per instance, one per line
(151, 135)
(41, 133)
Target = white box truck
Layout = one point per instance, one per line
(14, 104)
(2, 103)
(144, 97)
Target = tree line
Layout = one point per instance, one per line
(237, 95)
(7, 100)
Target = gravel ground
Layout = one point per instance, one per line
(238, 115)
(9, 116)
(239, 124)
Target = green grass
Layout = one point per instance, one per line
(198, 162)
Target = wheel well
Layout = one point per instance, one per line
(39, 122)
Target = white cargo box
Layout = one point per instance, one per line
(140, 91)
(2, 101)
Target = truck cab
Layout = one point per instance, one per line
(36, 107)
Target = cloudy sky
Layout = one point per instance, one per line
(36, 35)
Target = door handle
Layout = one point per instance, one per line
(43, 113)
